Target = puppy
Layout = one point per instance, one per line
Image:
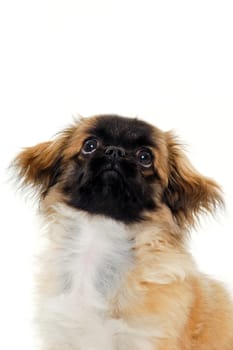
(118, 198)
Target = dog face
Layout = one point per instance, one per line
(119, 167)
(113, 173)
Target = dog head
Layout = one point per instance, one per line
(119, 167)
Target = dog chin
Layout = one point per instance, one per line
(110, 185)
(109, 194)
(109, 197)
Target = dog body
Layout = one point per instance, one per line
(98, 257)
(118, 197)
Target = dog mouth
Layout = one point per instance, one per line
(111, 170)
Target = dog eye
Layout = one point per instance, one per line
(90, 146)
(145, 157)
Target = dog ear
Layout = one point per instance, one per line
(40, 165)
(188, 193)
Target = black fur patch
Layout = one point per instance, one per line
(128, 132)
(113, 187)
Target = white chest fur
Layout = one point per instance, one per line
(87, 259)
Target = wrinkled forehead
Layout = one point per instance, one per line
(122, 131)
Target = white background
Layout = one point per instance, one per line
(170, 62)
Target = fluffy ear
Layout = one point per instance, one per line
(188, 192)
(40, 165)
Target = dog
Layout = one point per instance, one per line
(118, 198)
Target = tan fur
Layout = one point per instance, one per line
(195, 311)
(164, 288)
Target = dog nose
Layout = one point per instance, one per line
(115, 152)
